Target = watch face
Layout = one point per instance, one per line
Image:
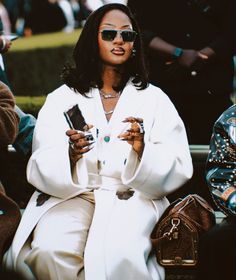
(177, 52)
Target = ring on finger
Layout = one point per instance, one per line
(72, 144)
(141, 128)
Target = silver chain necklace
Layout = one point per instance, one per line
(108, 112)
(108, 95)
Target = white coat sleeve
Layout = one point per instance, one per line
(49, 166)
(166, 162)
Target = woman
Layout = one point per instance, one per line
(97, 203)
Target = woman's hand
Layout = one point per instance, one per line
(135, 135)
(79, 144)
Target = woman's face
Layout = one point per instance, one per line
(115, 48)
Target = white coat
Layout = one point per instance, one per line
(165, 165)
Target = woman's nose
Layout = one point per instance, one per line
(118, 38)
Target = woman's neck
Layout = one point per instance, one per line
(111, 78)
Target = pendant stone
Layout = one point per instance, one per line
(107, 138)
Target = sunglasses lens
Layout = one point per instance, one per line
(128, 35)
(108, 35)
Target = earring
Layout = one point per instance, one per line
(133, 53)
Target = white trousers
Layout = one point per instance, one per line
(117, 247)
(59, 240)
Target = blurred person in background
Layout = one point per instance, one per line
(92, 5)
(76, 9)
(23, 142)
(5, 45)
(23, 10)
(12, 7)
(66, 7)
(60, 12)
(190, 45)
(217, 252)
(9, 210)
(17, 9)
(44, 16)
(83, 12)
(4, 16)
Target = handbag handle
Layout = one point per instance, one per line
(169, 235)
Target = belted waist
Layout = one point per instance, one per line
(104, 182)
(109, 182)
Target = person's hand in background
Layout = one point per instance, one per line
(5, 44)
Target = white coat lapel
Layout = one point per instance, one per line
(129, 104)
(99, 115)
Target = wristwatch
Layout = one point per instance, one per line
(177, 53)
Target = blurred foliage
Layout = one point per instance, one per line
(49, 40)
(34, 64)
(30, 104)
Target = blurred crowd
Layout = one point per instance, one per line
(27, 17)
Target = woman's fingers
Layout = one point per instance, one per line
(136, 124)
(133, 119)
(79, 143)
(136, 130)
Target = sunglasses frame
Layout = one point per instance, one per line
(120, 32)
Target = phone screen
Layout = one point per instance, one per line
(75, 118)
(76, 121)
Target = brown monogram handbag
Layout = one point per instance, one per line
(176, 236)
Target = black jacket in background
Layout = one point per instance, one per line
(190, 24)
(45, 17)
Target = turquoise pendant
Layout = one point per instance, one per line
(107, 138)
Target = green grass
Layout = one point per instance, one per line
(30, 104)
(34, 100)
(49, 40)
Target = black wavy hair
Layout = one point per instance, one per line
(86, 73)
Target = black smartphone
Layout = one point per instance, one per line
(76, 121)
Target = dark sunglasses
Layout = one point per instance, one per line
(110, 35)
